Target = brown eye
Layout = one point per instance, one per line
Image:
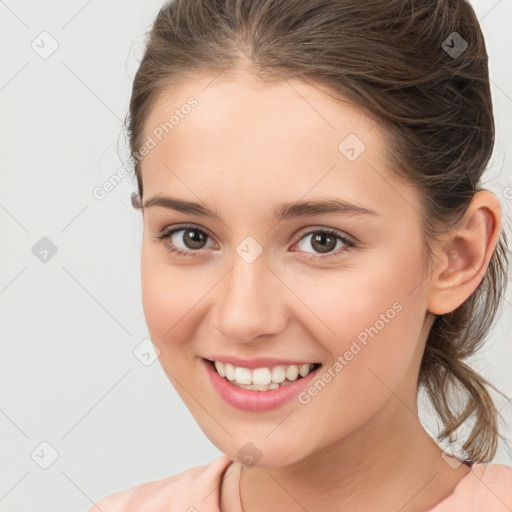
(184, 240)
(324, 242)
(194, 238)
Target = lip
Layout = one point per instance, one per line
(257, 362)
(256, 401)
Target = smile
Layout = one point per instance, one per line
(250, 394)
(264, 378)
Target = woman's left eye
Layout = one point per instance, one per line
(325, 241)
(193, 239)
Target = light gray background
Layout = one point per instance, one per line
(70, 325)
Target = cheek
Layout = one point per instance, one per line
(167, 297)
(371, 321)
(376, 335)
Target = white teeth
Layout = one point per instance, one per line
(278, 374)
(243, 375)
(230, 371)
(262, 379)
(256, 387)
(304, 369)
(261, 376)
(292, 372)
(220, 368)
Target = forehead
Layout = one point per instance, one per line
(241, 104)
(272, 141)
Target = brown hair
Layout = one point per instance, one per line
(391, 58)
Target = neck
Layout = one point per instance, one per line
(388, 464)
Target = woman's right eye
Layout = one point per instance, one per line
(192, 236)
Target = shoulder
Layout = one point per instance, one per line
(196, 488)
(494, 486)
(486, 487)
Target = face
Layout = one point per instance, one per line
(343, 288)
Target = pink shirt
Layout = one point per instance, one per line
(486, 488)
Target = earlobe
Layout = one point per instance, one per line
(465, 255)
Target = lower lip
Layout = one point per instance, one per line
(256, 401)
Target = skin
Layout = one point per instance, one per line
(247, 147)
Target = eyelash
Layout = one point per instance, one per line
(349, 244)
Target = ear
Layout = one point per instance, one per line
(465, 254)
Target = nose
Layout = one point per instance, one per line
(251, 302)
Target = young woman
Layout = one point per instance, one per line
(318, 246)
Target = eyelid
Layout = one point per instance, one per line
(178, 227)
(311, 229)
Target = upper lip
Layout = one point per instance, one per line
(257, 362)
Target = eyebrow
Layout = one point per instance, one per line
(283, 211)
